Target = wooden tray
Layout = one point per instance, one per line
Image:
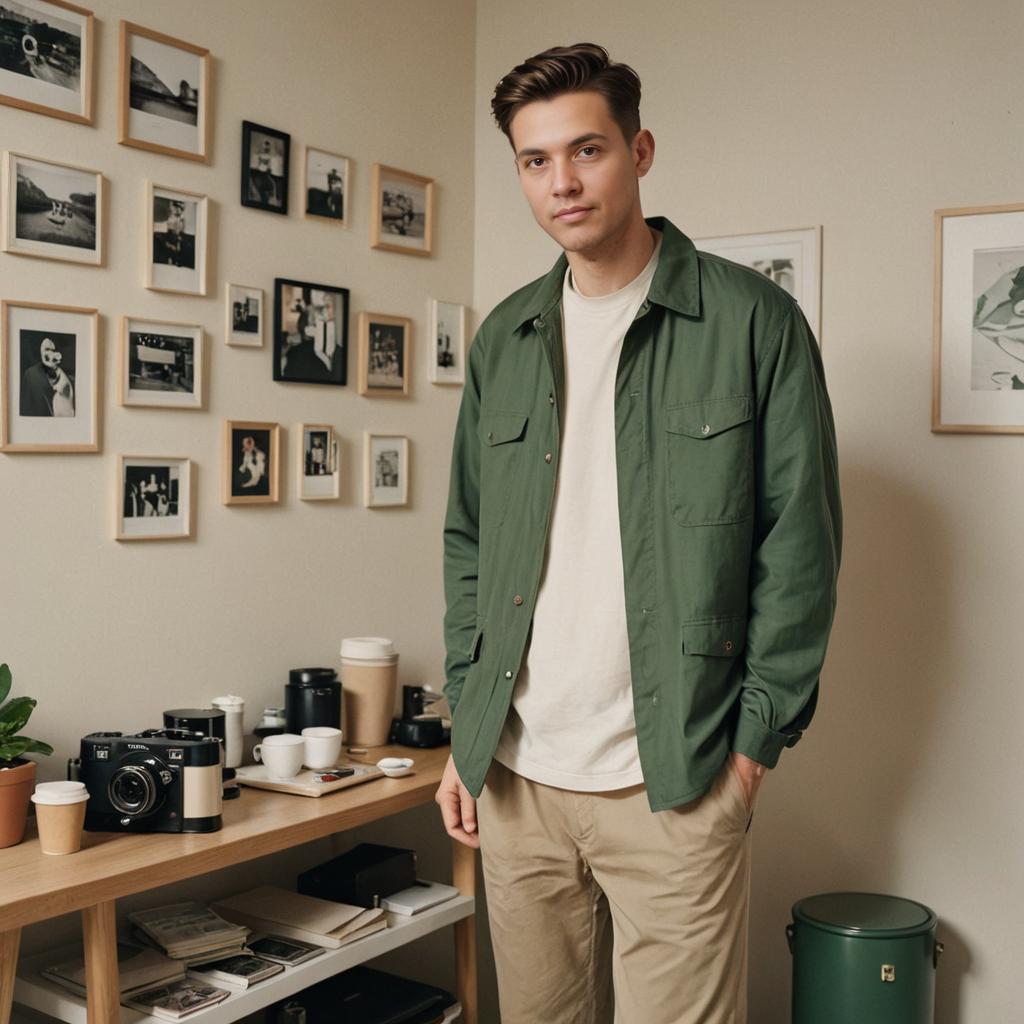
(303, 784)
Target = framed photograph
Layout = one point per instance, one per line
(46, 58)
(978, 368)
(326, 185)
(52, 210)
(251, 453)
(164, 98)
(310, 332)
(161, 364)
(384, 347)
(318, 462)
(447, 358)
(244, 316)
(175, 240)
(386, 465)
(792, 259)
(153, 498)
(49, 378)
(403, 211)
(265, 154)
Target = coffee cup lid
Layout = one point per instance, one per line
(229, 700)
(60, 793)
(366, 647)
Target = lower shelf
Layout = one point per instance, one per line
(39, 994)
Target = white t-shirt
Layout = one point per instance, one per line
(571, 721)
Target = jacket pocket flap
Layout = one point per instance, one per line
(499, 427)
(710, 417)
(723, 638)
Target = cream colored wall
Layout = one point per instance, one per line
(864, 118)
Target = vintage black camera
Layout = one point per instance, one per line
(159, 780)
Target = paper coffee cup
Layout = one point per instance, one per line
(60, 814)
(369, 674)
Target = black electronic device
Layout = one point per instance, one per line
(363, 876)
(419, 727)
(312, 697)
(158, 780)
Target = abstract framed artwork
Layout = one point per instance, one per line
(310, 332)
(251, 462)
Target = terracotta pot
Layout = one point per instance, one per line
(16, 785)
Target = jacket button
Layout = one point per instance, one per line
(547, 456)
(728, 645)
(518, 599)
(508, 675)
(654, 700)
(490, 435)
(551, 399)
(706, 429)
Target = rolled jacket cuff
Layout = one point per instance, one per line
(761, 744)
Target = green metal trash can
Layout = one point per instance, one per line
(863, 958)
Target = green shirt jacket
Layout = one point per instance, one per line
(729, 514)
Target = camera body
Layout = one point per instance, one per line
(158, 780)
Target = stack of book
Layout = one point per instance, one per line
(189, 932)
(138, 969)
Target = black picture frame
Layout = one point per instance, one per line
(263, 189)
(307, 348)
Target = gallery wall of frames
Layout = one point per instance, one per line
(52, 387)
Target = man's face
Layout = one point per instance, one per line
(578, 173)
(48, 354)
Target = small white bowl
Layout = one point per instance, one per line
(395, 766)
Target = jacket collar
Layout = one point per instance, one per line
(676, 283)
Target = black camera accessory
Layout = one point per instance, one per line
(208, 721)
(363, 876)
(312, 697)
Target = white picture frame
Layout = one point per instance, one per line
(175, 240)
(385, 470)
(162, 364)
(318, 462)
(446, 360)
(325, 186)
(153, 498)
(244, 315)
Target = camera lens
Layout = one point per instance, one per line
(133, 790)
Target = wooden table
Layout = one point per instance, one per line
(36, 887)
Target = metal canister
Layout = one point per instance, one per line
(863, 957)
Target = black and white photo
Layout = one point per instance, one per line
(310, 332)
(154, 497)
(161, 364)
(384, 346)
(46, 58)
(326, 185)
(51, 210)
(49, 378)
(403, 211)
(164, 93)
(447, 340)
(250, 462)
(265, 158)
(176, 240)
(244, 316)
(319, 468)
(386, 470)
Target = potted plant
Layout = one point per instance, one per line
(17, 773)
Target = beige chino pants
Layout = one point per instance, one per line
(603, 910)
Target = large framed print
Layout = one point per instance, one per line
(318, 462)
(175, 240)
(244, 326)
(49, 378)
(385, 470)
(153, 498)
(384, 346)
(792, 259)
(978, 348)
(265, 166)
(46, 58)
(310, 332)
(165, 94)
(402, 216)
(326, 185)
(251, 457)
(161, 364)
(447, 358)
(51, 210)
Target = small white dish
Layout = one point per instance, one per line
(395, 766)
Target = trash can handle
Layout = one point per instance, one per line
(789, 937)
(936, 953)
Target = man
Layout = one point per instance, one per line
(46, 387)
(641, 548)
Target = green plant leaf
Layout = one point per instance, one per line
(35, 746)
(16, 713)
(5, 682)
(12, 748)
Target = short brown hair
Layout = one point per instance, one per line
(578, 68)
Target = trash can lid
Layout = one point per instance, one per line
(866, 914)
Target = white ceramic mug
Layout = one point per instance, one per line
(323, 746)
(282, 754)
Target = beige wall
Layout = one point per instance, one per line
(863, 118)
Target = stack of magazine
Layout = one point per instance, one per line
(138, 969)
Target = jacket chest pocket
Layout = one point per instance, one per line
(501, 446)
(710, 452)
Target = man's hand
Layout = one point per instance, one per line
(751, 773)
(458, 808)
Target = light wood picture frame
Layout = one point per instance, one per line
(176, 240)
(162, 364)
(402, 211)
(978, 320)
(325, 185)
(244, 315)
(446, 358)
(49, 378)
(51, 210)
(164, 97)
(318, 462)
(153, 498)
(385, 347)
(385, 470)
(251, 463)
(52, 76)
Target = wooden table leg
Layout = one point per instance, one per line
(9, 943)
(464, 879)
(102, 984)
